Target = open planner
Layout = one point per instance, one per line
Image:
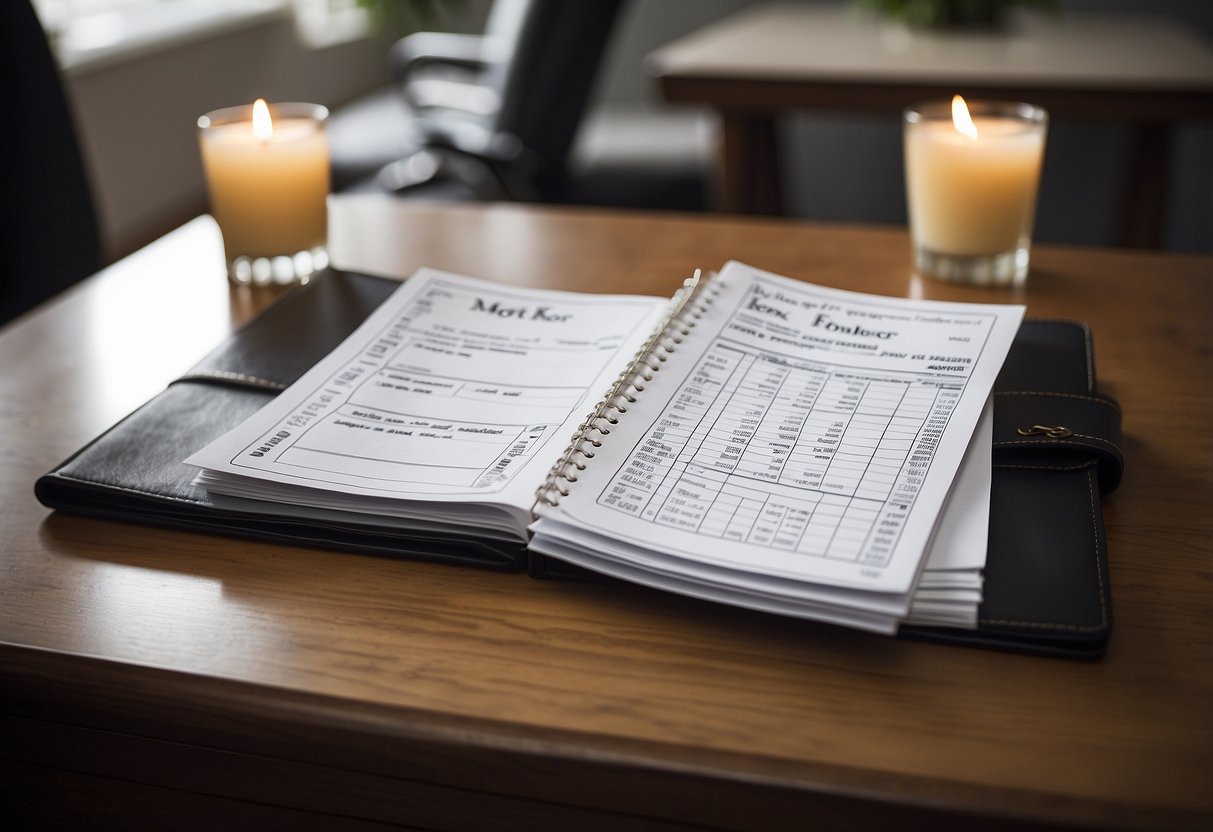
(754, 440)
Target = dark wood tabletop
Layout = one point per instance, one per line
(151, 677)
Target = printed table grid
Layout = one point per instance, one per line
(798, 456)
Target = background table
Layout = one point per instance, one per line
(1143, 70)
(152, 677)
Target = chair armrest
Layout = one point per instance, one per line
(470, 138)
(419, 50)
(501, 154)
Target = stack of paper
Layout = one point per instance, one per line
(765, 442)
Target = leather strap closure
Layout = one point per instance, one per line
(1059, 430)
(230, 379)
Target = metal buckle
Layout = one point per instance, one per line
(1057, 432)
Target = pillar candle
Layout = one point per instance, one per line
(972, 186)
(267, 174)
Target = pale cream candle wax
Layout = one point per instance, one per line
(267, 178)
(972, 187)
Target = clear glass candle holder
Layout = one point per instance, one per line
(268, 187)
(971, 189)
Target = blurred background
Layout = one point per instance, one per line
(138, 73)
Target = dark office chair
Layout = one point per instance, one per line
(535, 68)
(441, 80)
(48, 231)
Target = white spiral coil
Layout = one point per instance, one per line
(686, 307)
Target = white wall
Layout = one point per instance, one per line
(137, 115)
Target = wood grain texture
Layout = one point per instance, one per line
(546, 702)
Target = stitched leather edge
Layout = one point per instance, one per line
(127, 489)
(1091, 463)
(1099, 582)
(239, 379)
(1086, 337)
(1093, 399)
(1021, 442)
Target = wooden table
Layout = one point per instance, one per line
(1142, 70)
(152, 677)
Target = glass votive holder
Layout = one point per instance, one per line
(972, 174)
(267, 177)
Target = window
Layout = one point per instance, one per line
(84, 32)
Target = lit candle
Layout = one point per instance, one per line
(267, 174)
(971, 182)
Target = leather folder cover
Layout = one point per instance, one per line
(1056, 451)
(134, 471)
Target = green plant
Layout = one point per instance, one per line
(952, 12)
(399, 16)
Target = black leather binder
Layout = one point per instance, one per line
(1056, 451)
(134, 470)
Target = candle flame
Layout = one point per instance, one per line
(961, 119)
(263, 126)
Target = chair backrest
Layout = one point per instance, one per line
(536, 63)
(48, 229)
(504, 25)
(550, 79)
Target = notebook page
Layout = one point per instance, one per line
(455, 389)
(800, 432)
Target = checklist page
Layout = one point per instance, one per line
(454, 389)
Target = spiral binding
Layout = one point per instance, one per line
(688, 304)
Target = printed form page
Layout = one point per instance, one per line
(800, 433)
(455, 389)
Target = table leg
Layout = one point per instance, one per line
(1143, 192)
(749, 178)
